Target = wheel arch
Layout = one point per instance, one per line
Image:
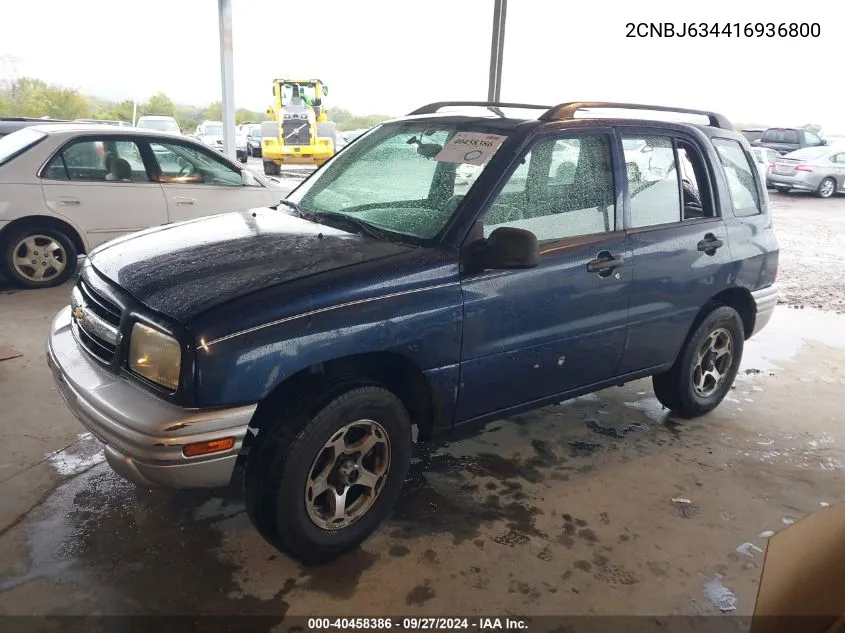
(739, 299)
(48, 221)
(392, 370)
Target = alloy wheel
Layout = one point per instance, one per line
(39, 258)
(712, 362)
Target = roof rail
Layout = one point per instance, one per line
(565, 111)
(431, 108)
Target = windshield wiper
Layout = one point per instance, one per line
(300, 211)
(365, 227)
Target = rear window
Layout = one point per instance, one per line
(162, 125)
(780, 136)
(18, 142)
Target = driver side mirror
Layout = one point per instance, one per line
(248, 178)
(507, 248)
(325, 91)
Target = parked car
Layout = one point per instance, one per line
(158, 123)
(753, 133)
(764, 156)
(211, 133)
(116, 122)
(13, 124)
(294, 347)
(817, 169)
(67, 188)
(252, 133)
(786, 140)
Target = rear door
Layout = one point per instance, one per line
(531, 334)
(101, 184)
(680, 249)
(196, 182)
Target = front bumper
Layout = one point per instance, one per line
(765, 301)
(143, 435)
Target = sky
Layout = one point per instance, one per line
(380, 56)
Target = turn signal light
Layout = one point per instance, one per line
(205, 448)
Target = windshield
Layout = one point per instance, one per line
(18, 142)
(808, 153)
(213, 130)
(400, 177)
(255, 131)
(162, 125)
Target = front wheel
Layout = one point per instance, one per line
(322, 483)
(38, 257)
(271, 168)
(706, 367)
(827, 188)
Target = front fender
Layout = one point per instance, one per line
(423, 325)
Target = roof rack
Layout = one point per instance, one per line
(565, 111)
(431, 108)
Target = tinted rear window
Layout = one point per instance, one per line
(18, 142)
(780, 136)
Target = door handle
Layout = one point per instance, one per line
(709, 244)
(70, 202)
(184, 202)
(605, 263)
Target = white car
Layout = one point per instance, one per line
(211, 133)
(763, 157)
(67, 188)
(159, 123)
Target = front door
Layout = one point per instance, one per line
(681, 255)
(531, 334)
(101, 184)
(197, 182)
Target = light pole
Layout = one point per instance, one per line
(226, 76)
(497, 48)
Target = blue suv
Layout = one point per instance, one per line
(466, 262)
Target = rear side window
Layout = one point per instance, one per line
(741, 182)
(18, 142)
(653, 183)
(100, 160)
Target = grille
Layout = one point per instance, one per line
(96, 322)
(296, 132)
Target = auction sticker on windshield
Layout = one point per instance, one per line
(472, 148)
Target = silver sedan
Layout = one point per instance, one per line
(817, 169)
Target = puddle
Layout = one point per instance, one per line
(785, 335)
(79, 457)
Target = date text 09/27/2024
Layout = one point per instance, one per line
(418, 623)
(724, 29)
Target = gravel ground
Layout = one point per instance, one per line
(811, 233)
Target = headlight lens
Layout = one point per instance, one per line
(155, 356)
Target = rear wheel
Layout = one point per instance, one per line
(782, 189)
(706, 367)
(331, 471)
(38, 257)
(827, 188)
(271, 168)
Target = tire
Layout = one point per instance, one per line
(271, 168)
(242, 157)
(827, 188)
(25, 242)
(675, 388)
(328, 130)
(280, 473)
(782, 189)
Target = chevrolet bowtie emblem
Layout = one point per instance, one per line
(78, 313)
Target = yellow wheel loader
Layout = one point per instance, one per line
(299, 132)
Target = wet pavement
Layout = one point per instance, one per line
(604, 504)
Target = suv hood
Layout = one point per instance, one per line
(184, 269)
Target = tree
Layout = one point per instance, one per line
(214, 112)
(159, 103)
(117, 111)
(31, 97)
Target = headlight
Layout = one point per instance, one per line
(155, 356)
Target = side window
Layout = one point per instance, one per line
(839, 158)
(695, 192)
(101, 160)
(183, 164)
(652, 180)
(811, 138)
(741, 182)
(563, 188)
